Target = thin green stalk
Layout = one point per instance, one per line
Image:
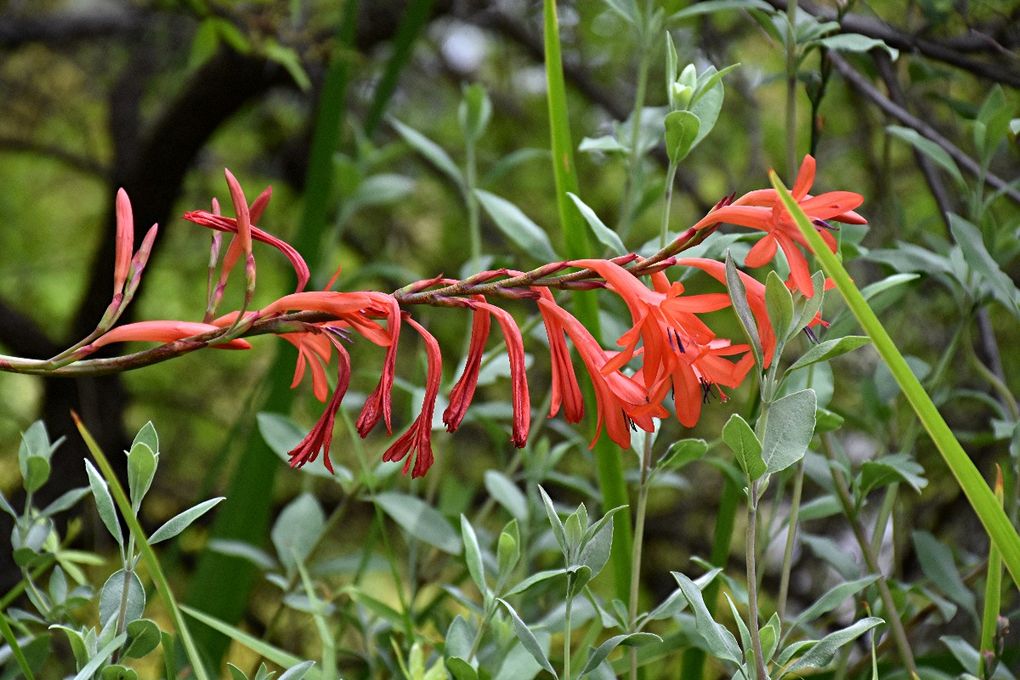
(20, 587)
(12, 642)
(470, 178)
(664, 225)
(751, 557)
(993, 518)
(791, 536)
(631, 192)
(993, 380)
(791, 90)
(884, 513)
(993, 596)
(578, 245)
(415, 19)
(894, 621)
(148, 555)
(639, 535)
(567, 629)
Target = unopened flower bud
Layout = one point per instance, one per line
(680, 95)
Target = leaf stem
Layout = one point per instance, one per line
(751, 556)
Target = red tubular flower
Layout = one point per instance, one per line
(620, 402)
(418, 437)
(565, 390)
(518, 378)
(380, 401)
(125, 241)
(321, 436)
(663, 331)
(163, 331)
(464, 391)
(763, 210)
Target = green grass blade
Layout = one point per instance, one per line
(1002, 533)
(274, 654)
(414, 20)
(12, 641)
(148, 555)
(577, 244)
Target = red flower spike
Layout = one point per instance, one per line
(379, 403)
(418, 437)
(518, 378)
(125, 241)
(464, 391)
(321, 436)
(162, 331)
(762, 209)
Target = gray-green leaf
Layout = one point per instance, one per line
(517, 226)
(788, 431)
(420, 520)
(183, 520)
(739, 436)
(529, 640)
(104, 503)
(604, 234)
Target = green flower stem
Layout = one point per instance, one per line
(896, 629)
(148, 555)
(639, 535)
(567, 629)
(993, 596)
(791, 535)
(791, 90)
(981, 498)
(751, 555)
(884, 513)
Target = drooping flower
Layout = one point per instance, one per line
(464, 390)
(162, 331)
(414, 447)
(565, 390)
(762, 209)
(518, 379)
(380, 401)
(321, 435)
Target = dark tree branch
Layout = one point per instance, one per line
(939, 50)
(897, 112)
(65, 29)
(71, 160)
(935, 183)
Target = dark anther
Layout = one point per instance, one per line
(811, 335)
(706, 390)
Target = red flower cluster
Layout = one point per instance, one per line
(668, 349)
